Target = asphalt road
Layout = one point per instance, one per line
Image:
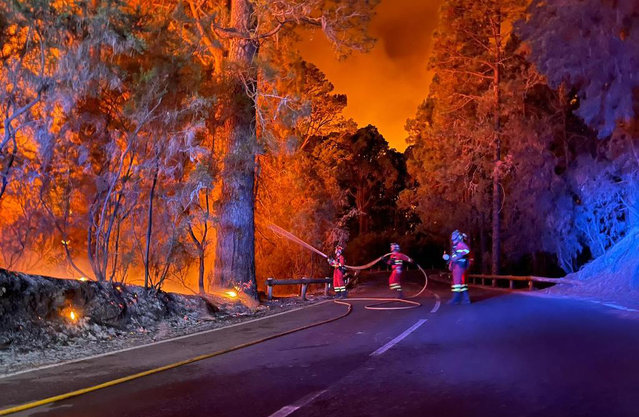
(504, 355)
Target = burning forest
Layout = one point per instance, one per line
(151, 145)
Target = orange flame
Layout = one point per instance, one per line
(71, 314)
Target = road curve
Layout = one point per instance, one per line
(504, 355)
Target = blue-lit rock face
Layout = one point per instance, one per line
(597, 210)
(615, 274)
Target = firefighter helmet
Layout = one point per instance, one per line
(339, 249)
(457, 236)
(394, 247)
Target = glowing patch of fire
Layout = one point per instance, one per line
(231, 294)
(73, 316)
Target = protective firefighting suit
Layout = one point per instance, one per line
(338, 273)
(458, 265)
(396, 261)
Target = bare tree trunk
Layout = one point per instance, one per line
(201, 253)
(362, 216)
(483, 243)
(7, 169)
(201, 244)
(200, 277)
(149, 226)
(235, 250)
(496, 203)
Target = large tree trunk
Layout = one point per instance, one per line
(235, 249)
(483, 243)
(496, 203)
(200, 276)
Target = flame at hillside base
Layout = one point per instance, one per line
(70, 314)
(220, 296)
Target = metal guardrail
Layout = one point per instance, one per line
(475, 279)
(481, 279)
(304, 282)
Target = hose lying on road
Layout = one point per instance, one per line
(408, 302)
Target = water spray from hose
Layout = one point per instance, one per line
(290, 236)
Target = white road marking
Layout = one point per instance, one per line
(289, 409)
(576, 298)
(618, 307)
(156, 343)
(399, 338)
(438, 302)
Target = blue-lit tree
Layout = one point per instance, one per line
(592, 45)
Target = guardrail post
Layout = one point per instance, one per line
(530, 285)
(304, 288)
(326, 285)
(512, 284)
(269, 285)
(494, 282)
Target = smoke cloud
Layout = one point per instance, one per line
(385, 86)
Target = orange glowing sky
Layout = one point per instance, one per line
(386, 85)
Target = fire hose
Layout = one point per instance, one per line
(409, 303)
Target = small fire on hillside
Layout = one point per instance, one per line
(70, 314)
(231, 295)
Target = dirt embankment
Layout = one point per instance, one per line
(47, 320)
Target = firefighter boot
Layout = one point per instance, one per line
(400, 294)
(465, 298)
(344, 294)
(456, 298)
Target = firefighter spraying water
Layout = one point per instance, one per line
(396, 260)
(338, 273)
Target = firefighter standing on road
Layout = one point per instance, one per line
(458, 263)
(396, 261)
(338, 273)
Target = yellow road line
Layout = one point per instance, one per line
(159, 342)
(113, 382)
